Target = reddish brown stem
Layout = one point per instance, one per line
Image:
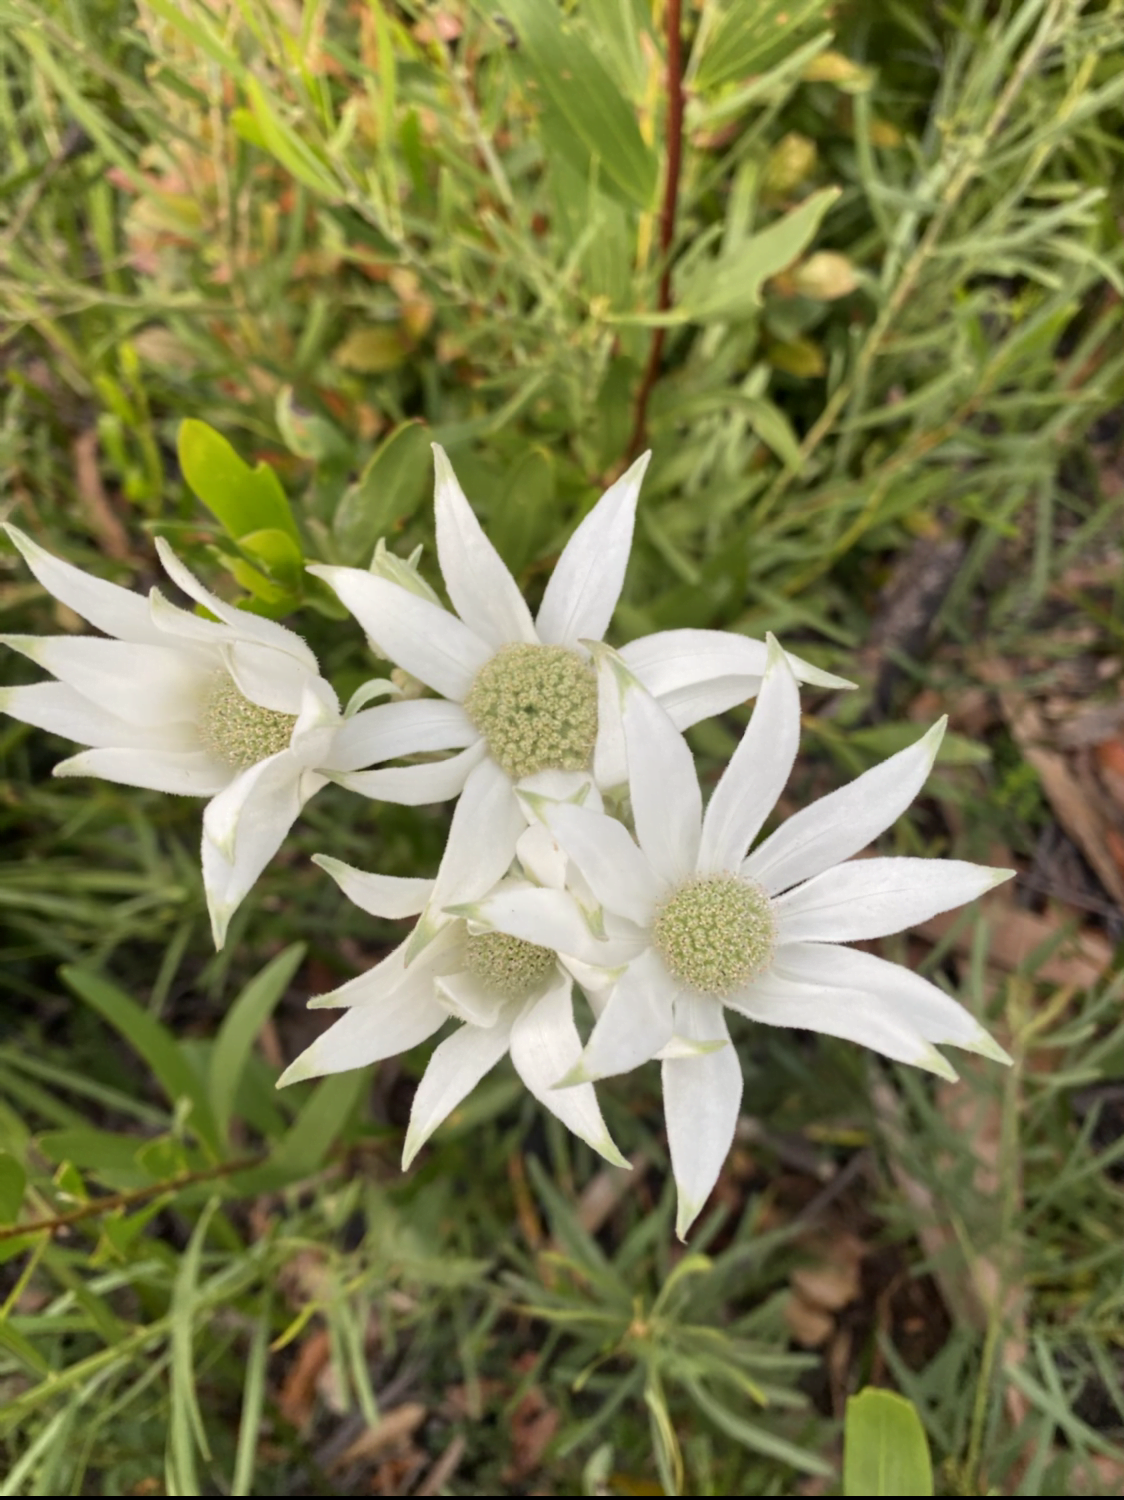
(667, 220)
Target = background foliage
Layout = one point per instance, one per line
(890, 337)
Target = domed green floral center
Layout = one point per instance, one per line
(508, 966)
(537, 708)
(240, 732)
(715, 933)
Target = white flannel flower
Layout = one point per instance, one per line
(233, 709)
(761, 934)
(516, 691)
(509, 995)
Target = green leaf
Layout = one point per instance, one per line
(729, 286)
(885, 1451)
(387, 492)
(282, 142)
(587, 104)
(13, 1181)
(187, 1431)
(751, 36)
(279, 553)
(522, 517)
(245, 501)
(151, 1041)
(241, 1026)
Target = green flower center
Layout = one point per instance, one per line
(537, 708)
(240, 732)
(508, 966)
(715, 933)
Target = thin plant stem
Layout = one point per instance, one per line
(667, 220)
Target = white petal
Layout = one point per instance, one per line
(840, 824)
(701, 1098)
(635, 1024)
(318, 720)
(757, 772)
(395, 729)
(464, 997)
(560, 786)
(610, 753)
(188, 630)
(381, 895)
(243, 622)
(147, 685)
(869, 898)
(542, 857)
(244, 826)
(455, 1068)
(374, 985)
(545, 1045)
(586, 583)
(482, 837)
(698, 673)
(62, 710)
(430, 643)
(267, 677)
(414, 786)
(188, 773)
(117, 611)
(852, 1016)
(618, 873)
(552, 919)
(666, 802)
(873, 984)
(369, 1033)
(483, 592)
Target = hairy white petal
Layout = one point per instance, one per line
(483, 592)
(757, 772)
(586, 583)
(63, 710)
(698, 673)
(870, 898)
(468, 999)
(381, 895)
(318, 722)
(414, 786)
(267, 677)
(188, 773)
(142, 684)
(117, 611)
(247, 626)
(395, 729)
(853, 1016)
(635, 1023)
(666, 802)
(429, 642)
(545, 1045)
(370, 1033)
(702, 1096)
(482, 837)
(875, 984)
(840, 824)
(550, 918)
(454, 1070)
(618, 873)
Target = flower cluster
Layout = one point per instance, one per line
(579, 850)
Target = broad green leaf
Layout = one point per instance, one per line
(151, 1041)
(244, 500)
(752, 35)
(314, 1132)
(308, 435)
(13, 1181)
(387, 492)
(584, 96)
(885, 1451)
(729, 286)
(277, 551)
(241, 1026)
(282, 142)
(523, 515)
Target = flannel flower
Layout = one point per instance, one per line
(232, 708)
(714, 925)
(516, 692)
(508, 995)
